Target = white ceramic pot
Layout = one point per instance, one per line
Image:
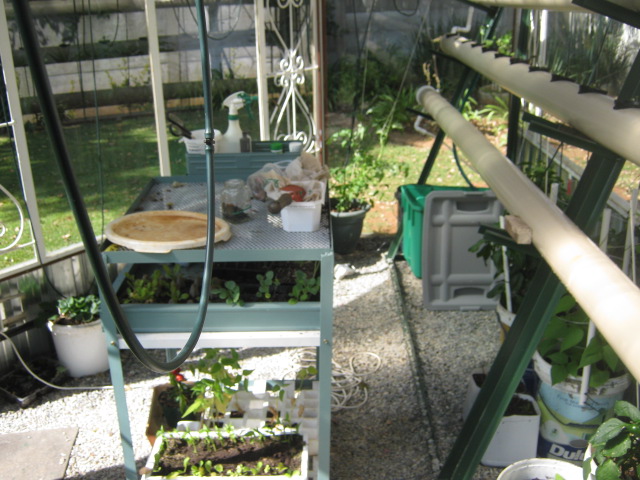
(81, 349)
(541, 469)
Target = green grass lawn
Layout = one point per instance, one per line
(113, 163)
(110, 171)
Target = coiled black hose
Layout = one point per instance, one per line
(24, 20)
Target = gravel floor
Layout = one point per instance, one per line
(395, 434)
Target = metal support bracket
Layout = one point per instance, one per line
(528, 327)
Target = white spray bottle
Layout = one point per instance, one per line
(229, 141)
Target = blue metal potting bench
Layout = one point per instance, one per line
(266, 325)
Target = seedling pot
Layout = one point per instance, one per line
(515, 438)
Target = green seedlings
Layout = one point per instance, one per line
(304, 287)
(228, 291)
(214, 392)
(268, 285)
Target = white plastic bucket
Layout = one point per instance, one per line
(541, 469)
(563, 398)
(81, 349)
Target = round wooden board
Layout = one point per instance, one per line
(160, 231)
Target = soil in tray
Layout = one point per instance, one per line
(273, 451)
(20, 386)
(244, 274)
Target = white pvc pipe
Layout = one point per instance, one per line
(557, 5)
(156, 88)
(20, 136)
(591, 331)
(261, 70)
(590, 113)
(609, 297)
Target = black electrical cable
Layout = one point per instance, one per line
(460, 169)
(25, 22)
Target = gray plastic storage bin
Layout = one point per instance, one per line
(452, 277)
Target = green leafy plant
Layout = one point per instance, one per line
(209, 447)
(503, 44)
(180, 392)
(522, 262)
(389, 112)
(616, 445)
(222, 377)
(355, 183)
(304, 287)
(145, 289)
(77, 310)
(268, 283)
(564, 346)
(229, 291)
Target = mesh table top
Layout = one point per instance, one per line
(263, 231)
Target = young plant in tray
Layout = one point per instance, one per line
(304, 287)
(145, 289)
(221, 378)
(268, 283)
(228, 290)
(206, 453)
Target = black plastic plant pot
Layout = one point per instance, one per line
(347, 228)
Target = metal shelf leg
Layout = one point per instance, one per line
(117, 379)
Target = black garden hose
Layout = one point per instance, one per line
(25, 23)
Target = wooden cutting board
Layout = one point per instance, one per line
(160, 231)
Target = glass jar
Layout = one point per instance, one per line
(236, 201)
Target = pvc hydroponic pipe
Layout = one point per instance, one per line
(590, 113)
(557, 5)
(610, 299)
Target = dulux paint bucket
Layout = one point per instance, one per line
(565, 425)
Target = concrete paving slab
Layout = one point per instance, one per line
(39, 455)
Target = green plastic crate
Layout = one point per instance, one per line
(412, 202)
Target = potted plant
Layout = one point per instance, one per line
(568, 419)
(516, 437)
(352, 187)
(78, 337)
(189, 404)
(243, 453)
(615, 447)
(221, 377)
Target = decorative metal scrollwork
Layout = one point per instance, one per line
(290, 3)
(3, 228)
(291, 112)
(291, 70)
